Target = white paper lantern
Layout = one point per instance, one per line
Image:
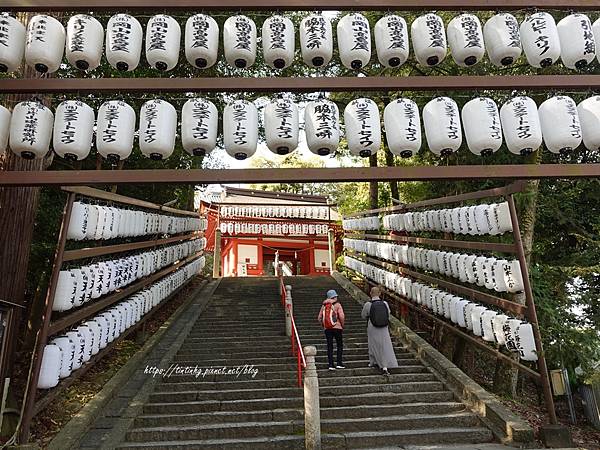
(114, 134)
(201, 41)
(487, 328)
(540, 40)
(45, 43)
(5, 116)
(363, 127)
(239, 39)
(442, 126)
(521, 125)
(158, 127)
(64, 297)
(85, 37)
(391, 40)
(526, 342)
(354, 41)
(31, 130)
(163, 37)
(481, 120)
(403, 127)
(12, 43)
(465, 38)
(240, 129)
(281, 126)
(199, 122)
(502, 39)
(278, 42)
(560, 124)
(498, 327)
(73, 130)
(67, 350)
(429, 39)
(316, 40)
(88, 341)
(589, 118)
(79, 348)
(123, 42)
(50, 369)
(513, 278)
(577, 43)
(321, 126)
(104, 328)
(96, 333)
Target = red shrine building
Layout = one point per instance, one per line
(250, 230)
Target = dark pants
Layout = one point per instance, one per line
(337, 334)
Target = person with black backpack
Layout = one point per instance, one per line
(381, 350)
(331, 317)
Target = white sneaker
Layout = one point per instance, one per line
(340, 367)
(332, 368)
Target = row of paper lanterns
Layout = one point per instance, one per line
(558, 122)
(233, 228)
(97, 222)
(301, 212)
(544, 41)
(484, 219)
(516, 335)
(80, 285)
(500, 275)
(474, 220)
(70, 351)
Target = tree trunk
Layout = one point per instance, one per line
(373, 187)
(389, 161)
(505, 376)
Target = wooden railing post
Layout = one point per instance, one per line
(312, 413)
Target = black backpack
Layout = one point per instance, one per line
(379, 314)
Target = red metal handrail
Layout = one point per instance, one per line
(296, 345)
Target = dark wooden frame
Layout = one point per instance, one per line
(528, 310)
(305, 175)
(32, 405)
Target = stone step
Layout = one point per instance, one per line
(191, 358)
(266, 374)
(243, 394)
(296, 402)
(400, 422)
(260, 443)
(262, 341)
(280, 414)
(216, 431)
(266, 415)
(372, 411)
(247, 382)
(354, 440)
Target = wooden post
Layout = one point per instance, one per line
(312, 410)
(331, 242)
(42, 335)
(531, 313)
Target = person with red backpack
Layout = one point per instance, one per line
(381, 350)
(331, 317)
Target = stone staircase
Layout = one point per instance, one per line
(244, 324)
(244, 327)
(360, 408)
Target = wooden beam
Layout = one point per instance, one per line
(289, 5)
(297, 84)
(305, 175)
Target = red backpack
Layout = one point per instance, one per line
(329, 316)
